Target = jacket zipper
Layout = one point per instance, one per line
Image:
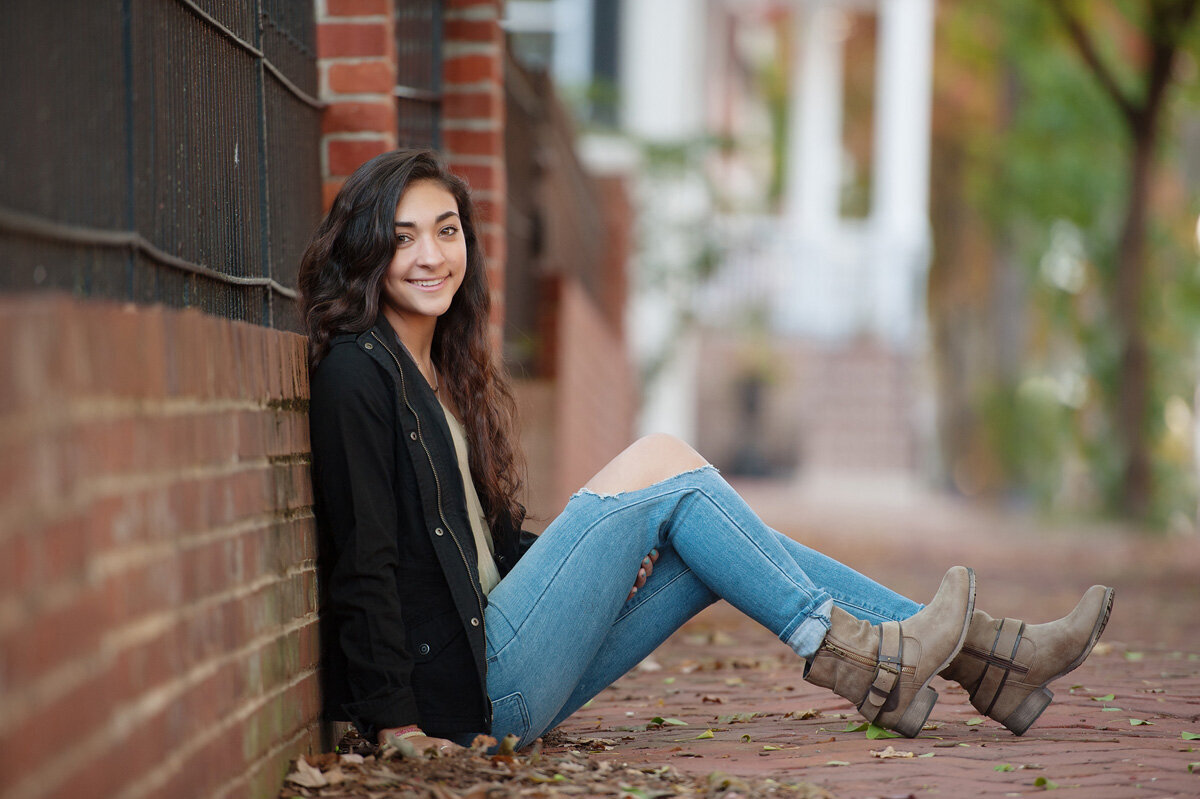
(441, 513)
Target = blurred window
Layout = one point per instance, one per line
(419, 72)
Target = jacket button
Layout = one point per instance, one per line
(474, 622)
(423, 649)
(438, 531)
(369, 346)
(413, 435)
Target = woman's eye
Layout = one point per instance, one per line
(449, 230)
(403, 238)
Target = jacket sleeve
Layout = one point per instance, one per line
(352, 424)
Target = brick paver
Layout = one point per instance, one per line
(720, 665)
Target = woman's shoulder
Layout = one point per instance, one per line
(347, 369)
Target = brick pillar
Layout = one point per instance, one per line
(356, 50)
(473, 124)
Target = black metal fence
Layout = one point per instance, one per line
(160, 151)
(419, 72)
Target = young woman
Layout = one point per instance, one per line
(448, 621)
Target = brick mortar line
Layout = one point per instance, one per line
(373, 98)
(254, 766)
(178, 756)
(94, 489)
(363, 135)
(87, 410)
(473, 87)
(373, 19)
(69, 760)
(58, 682)
(475, 13)
(473, 124)
(466, 49)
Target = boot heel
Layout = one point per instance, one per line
(1028, 711)
(918, 711)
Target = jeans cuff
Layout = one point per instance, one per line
(807, 637)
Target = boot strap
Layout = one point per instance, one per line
(1004, 650)
(887, 672)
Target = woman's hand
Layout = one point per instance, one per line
(416, 744)
(644, 573)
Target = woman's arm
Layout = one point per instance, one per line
(352, 424)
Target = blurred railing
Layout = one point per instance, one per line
(160, 152)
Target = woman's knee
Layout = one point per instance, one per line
(670, 451)
(649, 460)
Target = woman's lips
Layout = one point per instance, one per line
(432, 284)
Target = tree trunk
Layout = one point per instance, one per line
(1133, 391)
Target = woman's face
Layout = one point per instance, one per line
(431, 255)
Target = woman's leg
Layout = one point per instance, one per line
(550, 621)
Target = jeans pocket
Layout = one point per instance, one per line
(510, 716)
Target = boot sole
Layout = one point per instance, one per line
(1032, 706)
(918, 710)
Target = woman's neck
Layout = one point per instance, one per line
(417, 337)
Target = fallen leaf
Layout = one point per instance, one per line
(746, 739)
(1004, 767)
(1140, 722)
(669, 680)
(837, 762)
(1105, 698)
(803, 714)
(1190, 736)
(736, 718)
(928, 754)
(769, 748)
(852, 727)
(649, 664)
(734, 681)
(1102, 648)
(306, 776)
(705, 734)
(668, 721)
(1134, 656)
(1112, 710)
(875, 733)
(1042, 782)
(974, 721)
(890, 752)
(1193, 768)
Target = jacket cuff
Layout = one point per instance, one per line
(382, 713)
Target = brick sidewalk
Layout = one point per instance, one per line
(720, 665)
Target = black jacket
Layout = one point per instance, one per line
(402, 612)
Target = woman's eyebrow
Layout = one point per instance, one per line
(441, 218)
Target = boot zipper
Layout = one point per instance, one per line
(441, 513)
(863, 660)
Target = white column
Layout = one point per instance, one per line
(815, 133)
(900, 199)
(573, 43)
(662, 68)
(812, 227)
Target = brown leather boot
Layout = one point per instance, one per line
(885, 669)
(1006, 664)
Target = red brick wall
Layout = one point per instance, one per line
(157, 583)
(356, 46)
(576, 422)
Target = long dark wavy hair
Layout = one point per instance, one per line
(341, 278)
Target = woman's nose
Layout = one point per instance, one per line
(430, 251)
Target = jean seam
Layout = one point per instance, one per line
(812, 594)
(643, 599)
(609, 512)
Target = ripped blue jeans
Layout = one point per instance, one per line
(559, 627)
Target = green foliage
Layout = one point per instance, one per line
(1060, 159)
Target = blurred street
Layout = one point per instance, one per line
(721, 665)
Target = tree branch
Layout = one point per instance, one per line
(1091, 56)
